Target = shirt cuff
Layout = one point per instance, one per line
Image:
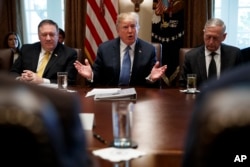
(46, 81)
(148, 78)
(91, 80)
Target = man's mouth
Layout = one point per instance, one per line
(130, 36)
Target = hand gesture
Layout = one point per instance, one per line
(84, 70)
(157, 71)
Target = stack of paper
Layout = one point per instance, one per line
(107, 91)
(113, 94)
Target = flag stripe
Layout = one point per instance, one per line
(99, 27)
(92, 43)
(93, 32)
(112, 10)
(89, 52)
(102, 21)
(96, 27)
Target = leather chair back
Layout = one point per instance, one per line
(6, 59)
(182, 53)
(79, 54)
(80, 57)
(158, 50)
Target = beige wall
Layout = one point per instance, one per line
(145, 14)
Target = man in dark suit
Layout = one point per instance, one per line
(245, 55)
(219, 127)
(107, 68)
(197, 61)
(60, 58)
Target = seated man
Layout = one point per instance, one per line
(213, 58)
(110, 69)
(40, 62)
(245, 55)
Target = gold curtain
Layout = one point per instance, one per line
(10, 18)
(75, 23)
(197, 12)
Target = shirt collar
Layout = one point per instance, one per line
(44, 51)
(207, 52)
(123, 45)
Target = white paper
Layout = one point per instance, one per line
(124, 94)
(96, 91)
(186, 91)
(51, 85)
(118, 154)
(87, 120)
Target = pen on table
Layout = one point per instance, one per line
(98, 137)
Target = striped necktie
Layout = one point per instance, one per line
(43, 64)
(125, 71)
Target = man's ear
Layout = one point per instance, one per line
(224, 36)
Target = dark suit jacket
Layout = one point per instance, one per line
(245, 55)
(195, 63)
(238, 78)
(107, 64)
(61, 60)
(67, 136)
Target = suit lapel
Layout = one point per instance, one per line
(35, 57)
(137, 55)
(53, 59)
(223, 57)
(202, 64)
(116, 58)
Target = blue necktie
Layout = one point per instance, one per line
(125, 71)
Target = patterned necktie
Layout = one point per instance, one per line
(43, 64)
(125, 71)
(212, 72)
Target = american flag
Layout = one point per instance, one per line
(100, 24)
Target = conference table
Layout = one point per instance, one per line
(160, 123)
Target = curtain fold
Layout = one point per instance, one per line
(75, 11)
(11, 20)
(197, 12)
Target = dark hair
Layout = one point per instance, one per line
(18, 39)
(48, 21)
(62, 32)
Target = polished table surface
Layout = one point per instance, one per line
(160, 123)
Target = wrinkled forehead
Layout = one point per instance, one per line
(128, 21)
(128, 18)
(48, 28)
(214, 30)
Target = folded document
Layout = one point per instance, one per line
(122, 94)
(108, 91)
